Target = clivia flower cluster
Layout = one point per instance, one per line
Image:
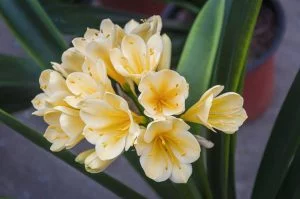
(84, 97)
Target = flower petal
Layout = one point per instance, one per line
(165, 59)
(81, 84)
(156, 164)
(110, 146)
(181, 173)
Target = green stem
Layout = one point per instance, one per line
(101, 178)
(202, 179)
(188, 190)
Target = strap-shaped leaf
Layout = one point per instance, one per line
(290, 187)
(197, 59)
(18, 82)
(103, 179)
(35, 31)
(229, 69)
(281, 147)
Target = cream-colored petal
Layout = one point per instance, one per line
(154, 51)
(215, 91)
(184, 146)
(155, 128)
(130, 26)
(156, 164)
(52, 118)
(72, 126)
(52, 82)
(140, 145)
(134, 50)
(110, 146)
(58, 145)
(228, 123)
(134, 132)
(94, 164)
(181, 173)
(72, 60)
(92, 112)
(107, 28)
(99, 50)
(227, 113)
(57, 137)
(80, 44)
(199, 112)
(80, 158)
(91, 34)
(67, 110)
(81, 84)
(74, 101)
(165, 58)
(121, 64)
(92, 135)
(40, 101)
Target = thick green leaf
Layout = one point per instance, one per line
(197, 59)
(105, 180)
(281, 147)
(237, 30)
(18, 82)
(35, 31)
(290, 187)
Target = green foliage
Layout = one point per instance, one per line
(280, 150)
(18, 82)
(197, 59)
(229, 69)
(35, 31)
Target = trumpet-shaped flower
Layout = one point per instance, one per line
(224, 112)
(163, 93)
(65, 128)
(146, 29)
(136, 58)
(92, 162)
(167, 149)
(72, 60)
(109, 125)
(91, 83)
(55, 90)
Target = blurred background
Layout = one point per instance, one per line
(29, 172)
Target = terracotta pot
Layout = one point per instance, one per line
(259, 81)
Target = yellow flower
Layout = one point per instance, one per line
(146, 29)
(92, 162)
(224, 112)
(55, 90)
(163, 93)
(109, 125)
(136, 58)
(91, 83)
(167, 150)
(108, 31)
(65, 128)
(96, 45)
(72, 60)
